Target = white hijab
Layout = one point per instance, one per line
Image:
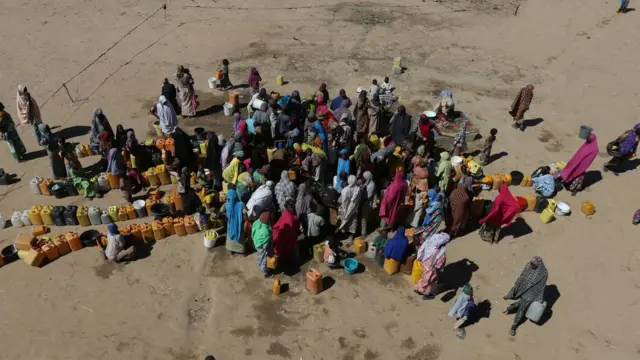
(434, 245)
(167, 115)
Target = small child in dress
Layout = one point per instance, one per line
(71, 162)
(488, 144)
(225, 82)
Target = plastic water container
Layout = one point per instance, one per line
(212, 82)
(103, 182)
(371, 252)
(95, 215)
(257, 104)
(535, 311)
(58, 215)
(105, 218)
(228, 108)
(585, 131)
(139, 206)
(24, 218)
(34, 184)
(16, 220)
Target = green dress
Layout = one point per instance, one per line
(10, 135)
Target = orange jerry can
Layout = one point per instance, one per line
(190, 225)
(233, 98)
(158, 230)
(160, 144)
(74, 240)
(178, 226)
(314, 281)
(24, 241)
(219, 75)
(276, 287)
(136, 233)
(61, 243)
(149, 203)
(50, 251)
(588, 208)
(40, 230)
(170, 145)
(147, 232)
(35, 257)
(272, 262)
(167, 223)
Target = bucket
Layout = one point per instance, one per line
(156, 126)
(350, 266)
(516, 178)
(228, 108)
(257, 103)
(456, 161)
(139, 206)
(58, 190)
(212, 82)
(9, 254)
(89, 237)
(585, 131)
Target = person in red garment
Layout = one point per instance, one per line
(504, 210)
(285, 236)
(392, 201)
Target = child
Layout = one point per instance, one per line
(71, 162)
(488, 144)
(225, 82)
(203, 180)
(461, 310)
(332, 253)
(386, 85)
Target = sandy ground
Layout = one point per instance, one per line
(183, 302)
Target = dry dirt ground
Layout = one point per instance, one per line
(183, 302)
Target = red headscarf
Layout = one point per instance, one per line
(425, 128)
(243, 129)
(393, 198)
(580, 162)
(504, 209)
(285, 234)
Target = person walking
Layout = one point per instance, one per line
(520, 106)
(528, 288)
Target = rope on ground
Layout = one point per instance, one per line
(164, 6)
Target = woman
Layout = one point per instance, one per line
(344, 166)
(339, 101)
(285, 236)
(169, 91)
(9, 134)
(343, 111)
(116, 164)
(184, 149)
(396, 248)
(374, 110)
(400, 125)
(445, 104)
(190, 199)
(254, 81)
(231, 172)
(28, 110)
(419, 163)
(361, 113)
(432, 256)
(573, 172)
(322, 92)
(120, 137)
(213, 160)
(261, 199)
(350, 201)
(459, 203)
(322, 110)
(227, 151)
(443, 173)
(520, 105)
(167, 116)
(369, 202)
(262, 240)
(392, 201)
(361, 151)
(285, 190)
(53, 150)
(245, 183)
(425, 127)
(528, 288)
(186, 94)
(420, 201)
(433, 215)
(504, 210)
(235, 235)
(460, 141)
(99, 124)
(624, 147)
(260, 175)
(303, 202)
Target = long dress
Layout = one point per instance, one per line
(432, 255)
(10, 135)
(186, 96)
(362, 116)
(235, 230)
(350, 201)
(459, 203)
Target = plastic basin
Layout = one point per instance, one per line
(350, 266)
(9, 254)
(89, 237)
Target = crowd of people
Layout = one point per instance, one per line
(298, 171)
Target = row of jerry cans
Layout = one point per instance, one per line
(71, 215)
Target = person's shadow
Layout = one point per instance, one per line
(551, 295)
(456, 275)
(518, 228)
(532, 122)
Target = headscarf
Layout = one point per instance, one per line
(213, 155)
(445, 95)
(393, 198)
(359, 153)
(166, 115)
(116, 162)
(531, 282)
(254, 78)
(303, 202)
(285, 234)
(261, 231)
(369, 184)
(400, 125)
(350, 202)
(581, 161)
(461, 138)
(323, 136)
(132, 142)
(505, 208)
(243, 129)
(236, 122)
(99, 124)
(234, 215)
(285, 189)
(224, 155)
(627, 144)
(444, 169)
(397, 246)
(425, 126)
(434, 246)
(260, 199)
(344, 165)
(230, 173)
(342, 110)
(27, 107)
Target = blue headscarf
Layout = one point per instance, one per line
(323, 135)
(397, 246)
(434, 205)
(234, 215)
(344, 165)
(627, 144)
